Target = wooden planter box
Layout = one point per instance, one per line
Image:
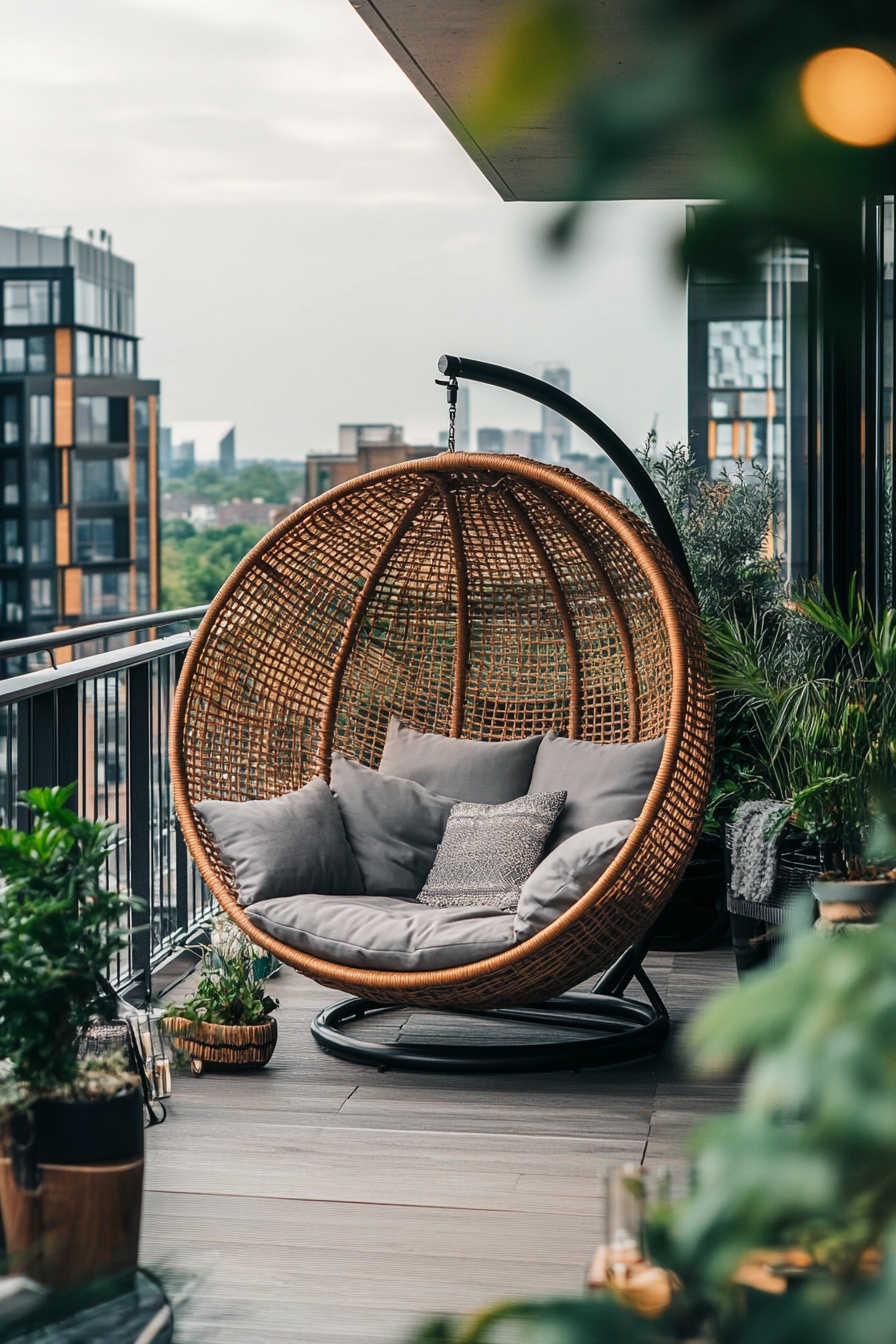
(223, 1047)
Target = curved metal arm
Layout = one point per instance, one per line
(600, 433)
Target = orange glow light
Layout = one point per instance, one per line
(850, 95)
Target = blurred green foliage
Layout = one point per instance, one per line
(717, 80)
(59, 929)
(195, 564)
(808, 1160)
(258, 481)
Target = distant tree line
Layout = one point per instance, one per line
(195, 563)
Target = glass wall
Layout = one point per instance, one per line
(31, 303)
(91, 420)
(101, 480)
(748, 386)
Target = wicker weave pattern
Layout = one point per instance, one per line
(478, 595)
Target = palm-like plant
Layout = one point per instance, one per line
(812, 686)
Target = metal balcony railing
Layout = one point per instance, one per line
(102, 720)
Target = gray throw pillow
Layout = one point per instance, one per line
(489, 850)
(456, 767)
(563, 877)
(283, 846)
(393, 826)
(604, 781)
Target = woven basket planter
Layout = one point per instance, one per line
(223, 1047)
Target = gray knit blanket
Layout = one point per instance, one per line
(754, 854)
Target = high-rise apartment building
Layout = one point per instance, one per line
(748, 385)
(556, 431)
(78, 456)
(489, 439)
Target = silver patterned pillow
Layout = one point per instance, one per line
(489, 850)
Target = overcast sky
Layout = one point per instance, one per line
(308, 236)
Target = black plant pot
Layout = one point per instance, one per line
(71, 1187)
(696, 916)
(84, 1133)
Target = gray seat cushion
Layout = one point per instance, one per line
(566, 874)
(383, 934)
(277, 846)
(454, 767)
(489, 850)
(604, 781)
(394, 826)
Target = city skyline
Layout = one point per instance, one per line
(308, 237)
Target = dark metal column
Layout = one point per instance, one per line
(140, 817)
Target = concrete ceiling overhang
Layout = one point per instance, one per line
(440, 45)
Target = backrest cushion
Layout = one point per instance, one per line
(604, 781)
(393, 825)
(489, 850)
(454, 767)
(282, 846)
(564, 875)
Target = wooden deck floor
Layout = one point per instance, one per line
(320, 1201)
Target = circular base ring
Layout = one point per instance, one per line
(613, 1030)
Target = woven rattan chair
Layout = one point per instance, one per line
(476, 595)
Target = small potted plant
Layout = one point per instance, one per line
(71, 1174)
(227, 1020)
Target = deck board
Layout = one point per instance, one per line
(321, 1202)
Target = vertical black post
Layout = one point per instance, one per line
(67, 717)
(40, 727)
(847, 416)
(140, 818)
(836, 411)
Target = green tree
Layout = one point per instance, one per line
(257, 481)
(195, 566)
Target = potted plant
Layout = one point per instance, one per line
(71, 1174)
(813, 686)
(227, 1020)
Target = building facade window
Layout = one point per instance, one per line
(101, 481)
(95, 539)
(105, 594)
(31, 303)
(91, 420)
(39, 482)
(141, 537)
(141, 422)
(40, 541)
(11, 601)
(12, 420)
(40, 419)
(103, 355)
(10, 480)
(23, 354)
(12, 546)
(99, 305)
(42, 596)
(142, 590)
(746, 353)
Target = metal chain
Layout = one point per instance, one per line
(451, 385)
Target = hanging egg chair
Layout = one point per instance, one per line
(474, 595)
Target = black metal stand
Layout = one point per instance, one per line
(613, 1030)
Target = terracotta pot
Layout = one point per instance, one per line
(69, 1217)
(224, 1047)
(848, 902)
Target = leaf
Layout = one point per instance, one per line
(532, 58)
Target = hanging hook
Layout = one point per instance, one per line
(451, 385)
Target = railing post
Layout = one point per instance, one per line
(48, 739)
(140, 819)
